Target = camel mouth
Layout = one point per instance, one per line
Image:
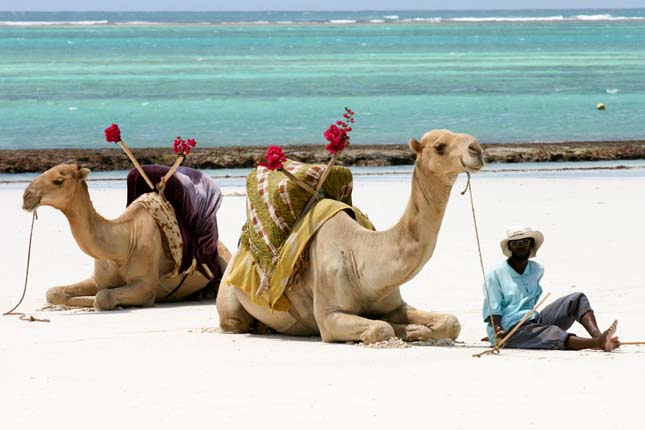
(473, 168)
(30, 205)
(30, 208)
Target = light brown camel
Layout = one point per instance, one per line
(350, 289)
(131, 254)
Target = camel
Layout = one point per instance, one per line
(131, 253)
(349, 291)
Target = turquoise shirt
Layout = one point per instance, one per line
(512, 295)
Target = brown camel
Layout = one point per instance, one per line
(350, 289)
(132, 257)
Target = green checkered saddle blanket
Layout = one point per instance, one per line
(274, 204)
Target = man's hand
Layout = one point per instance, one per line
(500, 333)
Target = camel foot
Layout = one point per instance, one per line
(607, 341)
(417, 333)
(377, 332)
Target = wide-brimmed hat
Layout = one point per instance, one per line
(522, 232)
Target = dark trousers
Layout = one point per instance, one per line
(549, 330)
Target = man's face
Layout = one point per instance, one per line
(521, 248)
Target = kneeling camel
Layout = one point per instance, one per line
(131, 253)
(350, 289)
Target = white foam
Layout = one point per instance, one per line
(342, 21)
(507, 19)
(376, 21)
(612, 90)
(46, 23)
(391, 17)
(554, 18)
(142, 23)
(432, 19)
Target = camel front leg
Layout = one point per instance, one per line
(138, 292)
(342, 327)
(412, 332)
(443, 326)
(79, 294)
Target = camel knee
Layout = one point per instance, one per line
(56, 296)
(104, 300)
(235, 325)
(148, 298)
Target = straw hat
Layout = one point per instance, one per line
(522, 232)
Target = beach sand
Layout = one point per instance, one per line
(167, 366)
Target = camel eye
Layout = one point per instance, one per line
(440, 148)
(58, 181)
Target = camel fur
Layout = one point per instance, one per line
(130, 253)
(350, 289)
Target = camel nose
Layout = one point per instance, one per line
(28, 198)
(475, 148)
(476, 152)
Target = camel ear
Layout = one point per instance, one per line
(415, 146)
(83, 174)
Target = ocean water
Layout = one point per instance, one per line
(282, 77)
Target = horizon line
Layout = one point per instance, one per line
(325, 10)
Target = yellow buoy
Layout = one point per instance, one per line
(600, 106)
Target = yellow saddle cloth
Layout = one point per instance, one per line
(245, 276)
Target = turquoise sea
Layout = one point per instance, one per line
(282, 77)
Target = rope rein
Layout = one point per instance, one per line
(469, 188)
(22, 316)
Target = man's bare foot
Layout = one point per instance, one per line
(616, 342)
(607, 341)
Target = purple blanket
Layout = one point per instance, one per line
(196, 199)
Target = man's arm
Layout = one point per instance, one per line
(497, 327)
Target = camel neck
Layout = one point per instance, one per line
(95, 235)
(410, 243)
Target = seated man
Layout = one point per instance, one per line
(514, 288)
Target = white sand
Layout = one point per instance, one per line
(158, 366)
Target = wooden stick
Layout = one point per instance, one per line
(302, 184)
(136, 163)
(162, 184)
(499, 346)
(208, 271)
(632, 343)
(327, 170)
(319, 185)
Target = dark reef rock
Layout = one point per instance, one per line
(38, 160)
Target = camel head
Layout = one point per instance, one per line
(447, 154)
(56, 187)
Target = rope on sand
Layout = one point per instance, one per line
(22, 316)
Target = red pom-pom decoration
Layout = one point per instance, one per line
(273, 158)
(337, 134)
(112, 133)
(183, 147)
